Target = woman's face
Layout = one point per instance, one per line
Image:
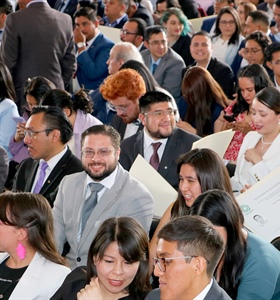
(8, 238)
(173, 26)
(241, 13)
(113, 271)
(189, 185)
(264, 118)
(31, 101)
(254, 52)
(227, 25)
(247, 89)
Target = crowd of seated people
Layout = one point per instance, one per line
(74, 222)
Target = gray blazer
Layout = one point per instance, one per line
(215, 293)
(169, 71)
(38, 41)
(127, 197)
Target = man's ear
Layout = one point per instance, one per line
(142, 118)
(146, 44)
(55, 135)
(199, 265)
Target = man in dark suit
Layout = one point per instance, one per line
(66, 6)
(5, 9)
(133, 31)
(201, 49)
(32, 48)
(48, 130)
(137, 10)
(93, 49)
(158, 117)
(163, 62)
(188, 253)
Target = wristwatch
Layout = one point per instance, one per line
(81, 45)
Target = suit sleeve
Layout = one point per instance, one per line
(10, 44)
(68, 62)
(59, 226)
(95, 68)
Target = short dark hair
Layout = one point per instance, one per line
(55, 118)
(202, 33)
(5, 7)
(155, 29)
(37, 87)
(259, 16)
(152, 97)
(141, 26)
(86, 12)
(104, 130)
(272, 48)
(132, 242)
(259, 37)
(277, 3)
(195, 236)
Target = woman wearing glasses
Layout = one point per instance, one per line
(249, 267)
(30, 266)
(117, 266)
(227, 37)
(78, 109)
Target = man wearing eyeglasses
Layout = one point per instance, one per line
(164, 63)
(133, 32)
(117, 194)
(157, 114)
(48, 130)
(188, 252)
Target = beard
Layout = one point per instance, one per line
(98, 176)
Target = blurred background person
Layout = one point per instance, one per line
(243, 10)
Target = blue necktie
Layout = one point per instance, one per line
(154, 68)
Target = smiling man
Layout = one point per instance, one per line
(158, 117)
(201, 49)
(48, 130)
(93, 49)
(188, 252)
(117, 193)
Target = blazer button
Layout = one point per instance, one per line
(78, 259)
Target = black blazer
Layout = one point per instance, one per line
(120, 126)
(27, 169)
(178, 143)
(182, 47)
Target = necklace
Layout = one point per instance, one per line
(264, 143)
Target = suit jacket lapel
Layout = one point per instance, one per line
(139, 144)
(30, 179)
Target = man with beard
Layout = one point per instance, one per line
(161, 142)
(105, 185)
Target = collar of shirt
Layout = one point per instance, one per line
(204, 292)
(117, 21)
(139, 48)
(148, 148)
(131, 129)
(51, 165)
(206, 65)
(36, 1)
(107, 182)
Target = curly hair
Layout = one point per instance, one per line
(125, 83)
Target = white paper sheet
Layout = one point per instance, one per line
(162, 192)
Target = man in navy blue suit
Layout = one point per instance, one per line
(93, 49)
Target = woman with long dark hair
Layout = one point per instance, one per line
(249, 267)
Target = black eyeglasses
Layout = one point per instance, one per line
(163, 262)
(125, 32)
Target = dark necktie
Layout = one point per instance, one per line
(154, 68)
(61, 5)
(90, 202)
(39, 183)
(154, 160)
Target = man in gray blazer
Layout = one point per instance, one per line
(38, 41)
(188, 252)
(157, 114)
(119, 195)
(164, 63)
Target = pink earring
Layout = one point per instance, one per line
(21, 251)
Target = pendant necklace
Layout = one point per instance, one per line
(264, 143)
